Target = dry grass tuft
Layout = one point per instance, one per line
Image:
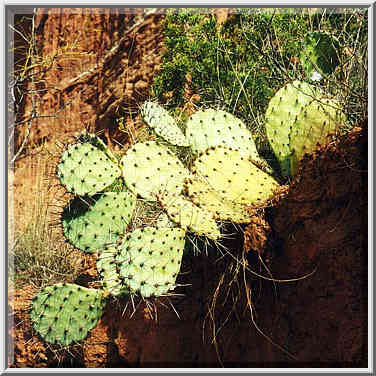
(38, 253)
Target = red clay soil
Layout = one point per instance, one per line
(93, 65)
(319, 224)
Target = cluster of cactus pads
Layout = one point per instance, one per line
(222, 182)
(298, 118)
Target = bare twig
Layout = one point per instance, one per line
(33, 112)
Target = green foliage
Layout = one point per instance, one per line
(233, 65)
(239, 65)
(320, 54)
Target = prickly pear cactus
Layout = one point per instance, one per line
(319, 54)
(233, 176)
(94, 140)
(209, 128)
(312, 126)
(87, 168)
(189, 216)
(205, 197)
(150, 168)
(164, 220)
(108, 269)
(89, 224)
(149, 260)
(163, 124)
(280, 115)
(64, 313)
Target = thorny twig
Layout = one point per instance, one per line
(34, 111)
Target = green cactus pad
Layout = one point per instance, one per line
(282, 110)
(91, 223)
(189, 216)
(320, 53)
(65, 313)
(149, 260)
(209, 199)
(312, 126)
(150, 168)
(109, 271)
(233, 176)
(84, 169)
(163, 124)
(211, 128)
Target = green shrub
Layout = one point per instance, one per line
(239, 65)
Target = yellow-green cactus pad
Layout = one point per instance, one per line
(91, 223)
(205, 197)
(94, 140)
(84, 169)
(312, 126)
(64, 313)
(189, 216)
(164, 125)
(236, 178)
(150, 168)
(280, 115)
(149, 260)
(209, 128)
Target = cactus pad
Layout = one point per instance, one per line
(164, 220)
(84, 169)
(109, 271)
(94, 140)
(280, 115)
(312, 126)
(163, 124)
(149, 168)
(211, 128)
(233, 176)
(92, 223)
(209, 199)
(189, 216)
(319, 53)
(149, 260)
(64, 313)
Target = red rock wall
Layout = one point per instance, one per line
(89, 68)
